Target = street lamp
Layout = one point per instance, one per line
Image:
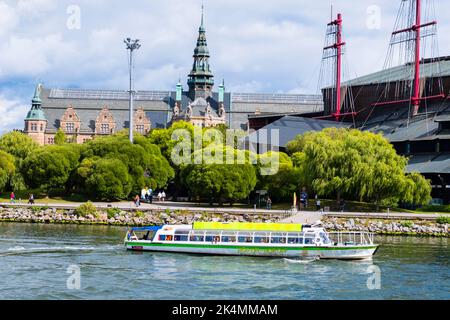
(131, 45)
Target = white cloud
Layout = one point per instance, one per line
(261, 46)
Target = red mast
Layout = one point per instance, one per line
(337, 46)
(416, 97)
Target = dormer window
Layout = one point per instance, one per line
(104, 128)
(70, 127)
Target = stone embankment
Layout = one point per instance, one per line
(116, 217)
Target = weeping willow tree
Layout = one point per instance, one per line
(357, 165)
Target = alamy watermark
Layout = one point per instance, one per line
(74, 18)
(73, 282)
(374, 280)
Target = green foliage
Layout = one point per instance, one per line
(107, 179)
(7, 168)
(60, 137)
(286, 179)
(407, 224)
(17, 144)
(227, 182)
(112, 212)
(144, 163)
(20, 146)
(139, 214)
(86, 209)
(435, 208)
(357, 165)
(51, 166)
(443, 220)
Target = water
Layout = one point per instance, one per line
(34, 260)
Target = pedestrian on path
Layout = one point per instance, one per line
(163, 196)
(137, 201)
(269, 203)
(12, 198)
(31, 199)
(318, 204)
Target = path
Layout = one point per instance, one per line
(304, 217)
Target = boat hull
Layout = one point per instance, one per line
(323, 252)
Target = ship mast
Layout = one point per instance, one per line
(416, 98)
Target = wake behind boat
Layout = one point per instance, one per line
(253, 239)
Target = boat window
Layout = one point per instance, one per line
(181, 237)
(245, 237)
(324, 238)
(228, 239)
(309, 240)
(293, 240)
(261, 239)
(278, 240)
(197, 238)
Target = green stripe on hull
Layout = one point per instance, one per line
(184, 245)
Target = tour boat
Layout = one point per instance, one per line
(253, 239)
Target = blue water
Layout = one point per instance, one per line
(34, 260)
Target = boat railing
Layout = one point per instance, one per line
(351, 238)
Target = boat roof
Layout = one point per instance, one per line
(248, 226)
(152, 228)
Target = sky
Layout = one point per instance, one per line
(256, 46)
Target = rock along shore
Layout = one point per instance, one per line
(158, 217)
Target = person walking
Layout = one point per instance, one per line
(159, 196)
(12, 198)
(150, 195)
(143, 193)
(163, 196)
(31, 199)
(137, 201)
(269, 203)
(318, 203)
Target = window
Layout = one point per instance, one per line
(140, 128)
(33, 127)
(50, 141)
(42, 127)
(104, 129)
(70, 127)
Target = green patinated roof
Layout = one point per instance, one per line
(36, 114)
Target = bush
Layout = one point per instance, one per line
(112, 212)
(435, 208)
(139, 214)
(443, 220)
(407, 224)
(86, 209)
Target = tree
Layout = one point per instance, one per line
(17, 144)
(143, 160)
(7, 168)
(20, 146)
(219, 181)
(106, 179)
(60, 137)
(51, 166)
(285, 180)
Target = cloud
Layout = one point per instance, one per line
(13, 113)
(260, 46)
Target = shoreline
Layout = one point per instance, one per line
(121, 218)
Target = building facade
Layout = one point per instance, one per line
(85, 114)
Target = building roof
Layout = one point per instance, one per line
(396, 126)
(290, 127)
(404, 72)
(430, 163)
(159, 105)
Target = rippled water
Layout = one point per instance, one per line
(34, 261)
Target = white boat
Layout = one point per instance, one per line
(253, 239)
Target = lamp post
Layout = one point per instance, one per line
(131, 46)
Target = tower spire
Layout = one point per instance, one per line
(201, 78)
